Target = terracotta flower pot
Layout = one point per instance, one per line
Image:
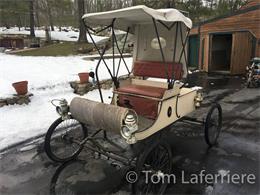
(21, 87)
(84, 77)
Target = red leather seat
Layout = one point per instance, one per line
(157, 69)
(155, 92)
(144, 106)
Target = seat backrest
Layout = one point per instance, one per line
(157, 69)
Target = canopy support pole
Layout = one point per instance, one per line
(119, 63)
(120, 53)
(113, 46)
(183, 47)
(166, 26)
(174, 51)
(113, 75)
(184, 44)
(101, 59)
(162, 54)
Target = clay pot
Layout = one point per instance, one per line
(84, 77)
(21, 87)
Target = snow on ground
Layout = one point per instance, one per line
(55, 35)
(48, 79)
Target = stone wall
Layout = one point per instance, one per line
(16, 99)
(82, 89)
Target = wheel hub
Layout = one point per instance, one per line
(160, 174)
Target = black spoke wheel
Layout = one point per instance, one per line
(213, 124)
(59, 185)
(152, 165)
(62, 139)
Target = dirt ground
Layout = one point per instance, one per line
(26, 169)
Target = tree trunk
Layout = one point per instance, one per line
(19, 22)
(37, 13)
(170, 4)
(32, 33)
(211, 5)
(50, 15)
(47, 35)
(134, 2)
(82, 29)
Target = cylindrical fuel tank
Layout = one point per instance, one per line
(104, 116)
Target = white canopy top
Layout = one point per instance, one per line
(128, 17)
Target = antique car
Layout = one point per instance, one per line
(144, 105)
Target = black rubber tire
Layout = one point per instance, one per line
(142, 160)
(208, 124)
(57, 174)
(47, 142)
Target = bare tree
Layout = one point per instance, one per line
(49, 11)
(37, 13)
(82, 29)
(31, 8)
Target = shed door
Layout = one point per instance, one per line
(241, 52)
(193, 51)
(220, 52)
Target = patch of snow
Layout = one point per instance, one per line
(55, 35)
(48, 79)
(27, 148)
(43, 72)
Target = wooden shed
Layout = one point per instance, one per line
(227, 43)
(12, 42)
